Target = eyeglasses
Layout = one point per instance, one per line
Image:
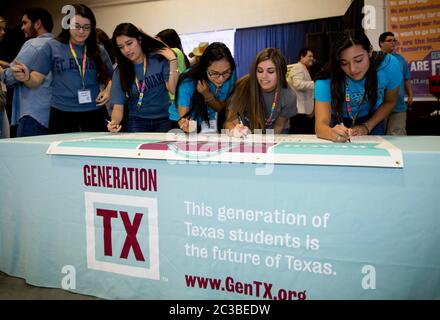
(391, 40)
(216, 75)
(86, 27)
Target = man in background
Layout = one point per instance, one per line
(299, 80)
(396, 123)
(31, 107)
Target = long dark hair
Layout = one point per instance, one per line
(214, 52)
(104, 40)
(333, 71)
(172, 40)
(125, 65)
(91, 42)
(247, 96)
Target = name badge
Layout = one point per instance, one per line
(84, 96)
(192, 127)
(212, 126)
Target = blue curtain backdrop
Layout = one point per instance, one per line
(289, 38)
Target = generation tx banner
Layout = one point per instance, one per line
(140, 228)
(416, 24)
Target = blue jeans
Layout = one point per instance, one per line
(136, 124)
(28, 126)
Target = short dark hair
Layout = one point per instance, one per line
(41, 14)
(303, 52)
(384, 35)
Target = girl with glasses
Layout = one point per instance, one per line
(78, 66)
(356, 90)
(262, 100)
(202, 91)
(146, 73)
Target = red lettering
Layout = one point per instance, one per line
(101, 176)
(152, 179)
(143, 179)
(120, 177)
(107, 215)
(131, 240)
(93, 176)
(130, 170)
(124, 184)
(116, 181)
(108, 176)
(86, 171)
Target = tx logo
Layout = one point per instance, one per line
(122, 234)
(131, 229)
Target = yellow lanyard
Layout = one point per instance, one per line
(82, 70)
(140, 88)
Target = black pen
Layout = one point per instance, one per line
(239, 118)
(241, 122)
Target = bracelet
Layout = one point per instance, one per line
(172, 60)
(366, 126)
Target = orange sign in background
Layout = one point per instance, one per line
(416, 24)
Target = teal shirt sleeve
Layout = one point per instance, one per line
(186, 90)
(322, 90)
(406, 73)
(394, 73)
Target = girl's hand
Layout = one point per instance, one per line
(359, 130)
(21, 71)
(340, 133)
(112, 126)
(239, 131)
(103, 97)
(187, 125)
(203, 89)
(167, 53)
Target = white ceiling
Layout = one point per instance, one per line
(106, 3)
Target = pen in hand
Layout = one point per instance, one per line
(348, 139)
(118, 127)
(240, 121)
(239, 118)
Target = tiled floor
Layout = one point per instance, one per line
(15, 288)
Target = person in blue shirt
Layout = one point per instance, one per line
(78, 65)
(396, 122)
(31, 107)
(145, 75)
(262, 99)
(356, 90)
(202, 91)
